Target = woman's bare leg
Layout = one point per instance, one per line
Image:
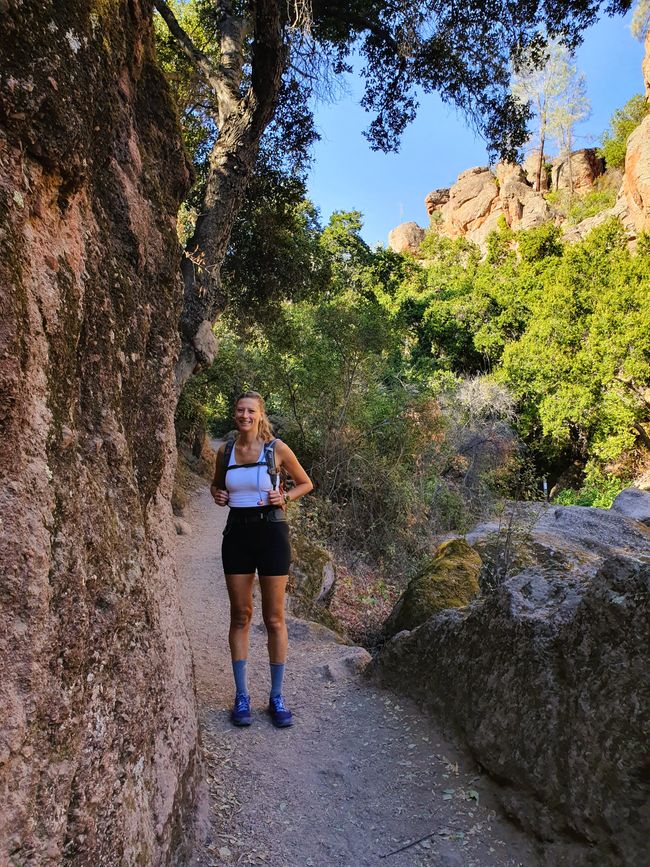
(240, 591)
(273, 595)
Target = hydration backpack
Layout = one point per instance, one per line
(268, 461)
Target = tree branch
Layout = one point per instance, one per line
(223, 92)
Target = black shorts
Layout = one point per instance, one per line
(256, 539)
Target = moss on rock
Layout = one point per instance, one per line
(449, 580)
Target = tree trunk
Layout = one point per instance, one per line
(540, 162)
(231, 165)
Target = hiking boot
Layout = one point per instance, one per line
(241, 712)
(280, 715)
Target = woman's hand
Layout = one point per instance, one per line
(220, 497)
(277, 498)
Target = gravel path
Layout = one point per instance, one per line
(360, 774)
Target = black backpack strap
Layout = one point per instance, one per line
(227, 452)
(269, 460)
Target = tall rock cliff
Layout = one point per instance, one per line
(636, 181)
(98, 726)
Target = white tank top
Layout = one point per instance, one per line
(248, 486)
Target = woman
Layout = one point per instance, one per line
(256, 537)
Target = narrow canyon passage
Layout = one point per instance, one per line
(362, 772)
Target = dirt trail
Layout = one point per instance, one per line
(360, 774)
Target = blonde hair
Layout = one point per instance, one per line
(264, 429)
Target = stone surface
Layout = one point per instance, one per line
(205, 343)
(346, 665)
(471, 200)
(182, 527)
(436, 199)
(406, 238)
(98, 736)
(635, 504)
(449, 580)
(581, 170)
(547, 677)
(636, 180)
(530, 166)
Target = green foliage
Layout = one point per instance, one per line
(565, 327)
(623, 123)
(592, 203)
(541, 242)
(599, 489)
(193, 96)
(337, 369)
(275, 250)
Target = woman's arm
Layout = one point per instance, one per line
(287, 460)
(219, 495)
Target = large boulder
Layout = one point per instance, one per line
(435, 200)
(579, 171)
(634, 503)
(406, 238)
(98, 731)
(546, 677)
(449, 580)
(471, 200)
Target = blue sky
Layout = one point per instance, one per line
(390, 188)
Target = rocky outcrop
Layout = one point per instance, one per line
(435, 200)
(577, 172)
(645, 65)
(636, 180)
(546, 678)
(406, 238)
(530, 166)
(98, 735)
(449, 580)
(635, 504)
(472, 199)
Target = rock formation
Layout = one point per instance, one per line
(449, 580)
(645, 65)
(406, 238)
(636, 180)
(579, 171)
(546, 678)
(435, 200)
(98, 735)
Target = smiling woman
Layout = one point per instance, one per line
(256, 538)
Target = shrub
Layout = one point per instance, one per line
(623, 123)
(590, 204)
(599, 489)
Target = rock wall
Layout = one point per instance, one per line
(98, 736)
(546, 678)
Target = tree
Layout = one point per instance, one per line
(571, 108)
(252, 58)
(557, 94)
(623, 123)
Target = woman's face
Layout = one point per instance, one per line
(248, 414)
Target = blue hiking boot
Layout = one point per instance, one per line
(280, 715)
(241, 712)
